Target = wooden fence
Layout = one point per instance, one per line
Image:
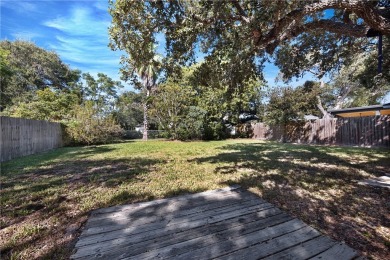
(357, 131)
(20, 137)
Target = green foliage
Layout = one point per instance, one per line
(33, 69)
(318, 53)
(289, 104)
(174, 106)
(358, 82)
(215, 130)
(36, 84)
(197, 105)
(4, 63)
(137, 41)
(101, 91)
(193, 125)
(5, 75)
(170, 105)
(86, 127)
(46, 105)
(128, 111)
(236, 35)
(352, 67)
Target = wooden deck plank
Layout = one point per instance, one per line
(201, 227)
(158, 202)
(222, 230)
(166, 206)
(171, 208)
(338, 251)
(208, 216)
(227, 223)
(176, 225)
(160, 215)
(305, 250)
(211, 247)
(263, 249)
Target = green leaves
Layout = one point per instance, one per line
(46, 105)
(102, 91)
(27, 68)
(304, 36)
(357, 83)
(289, 104)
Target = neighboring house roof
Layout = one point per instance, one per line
(375, 110)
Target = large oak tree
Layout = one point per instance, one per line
(247, 28)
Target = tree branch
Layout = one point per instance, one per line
(241, 11)
(216, 18)
(271, 42)
(362, 8)
(325, 113)
(291, 24)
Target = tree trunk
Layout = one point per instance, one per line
(325, 113)
(146, 123)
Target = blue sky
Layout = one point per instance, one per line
(76, 30)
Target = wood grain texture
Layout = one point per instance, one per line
(226, 224)
(360, 131)
(21, 137)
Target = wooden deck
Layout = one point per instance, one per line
(227, 223)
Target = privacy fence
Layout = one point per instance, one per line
(20, 137)
(357, 131)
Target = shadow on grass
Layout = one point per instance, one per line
(23, 164)
(64, 192)
(318, 186)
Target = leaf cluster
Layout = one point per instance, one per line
(30, 68)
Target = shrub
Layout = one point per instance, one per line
(192, 125)
(215, 131)
(88, 127)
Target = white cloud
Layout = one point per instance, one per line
(81, 22)
(20, 6)
(82, 39)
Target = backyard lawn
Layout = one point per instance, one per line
(46, 198)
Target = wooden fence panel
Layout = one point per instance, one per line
(358, 131)
(364, 131)
(20, 137)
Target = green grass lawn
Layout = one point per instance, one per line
(45, 198)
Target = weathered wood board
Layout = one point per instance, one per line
(228, 223)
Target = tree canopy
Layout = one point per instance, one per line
(31, 68)
(247, 32)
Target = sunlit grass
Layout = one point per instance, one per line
(42, 196)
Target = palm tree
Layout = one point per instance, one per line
(148, 72)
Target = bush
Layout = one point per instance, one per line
(87, 127)
(215, 131)
(192, 125)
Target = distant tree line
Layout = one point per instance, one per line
(204, 100)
